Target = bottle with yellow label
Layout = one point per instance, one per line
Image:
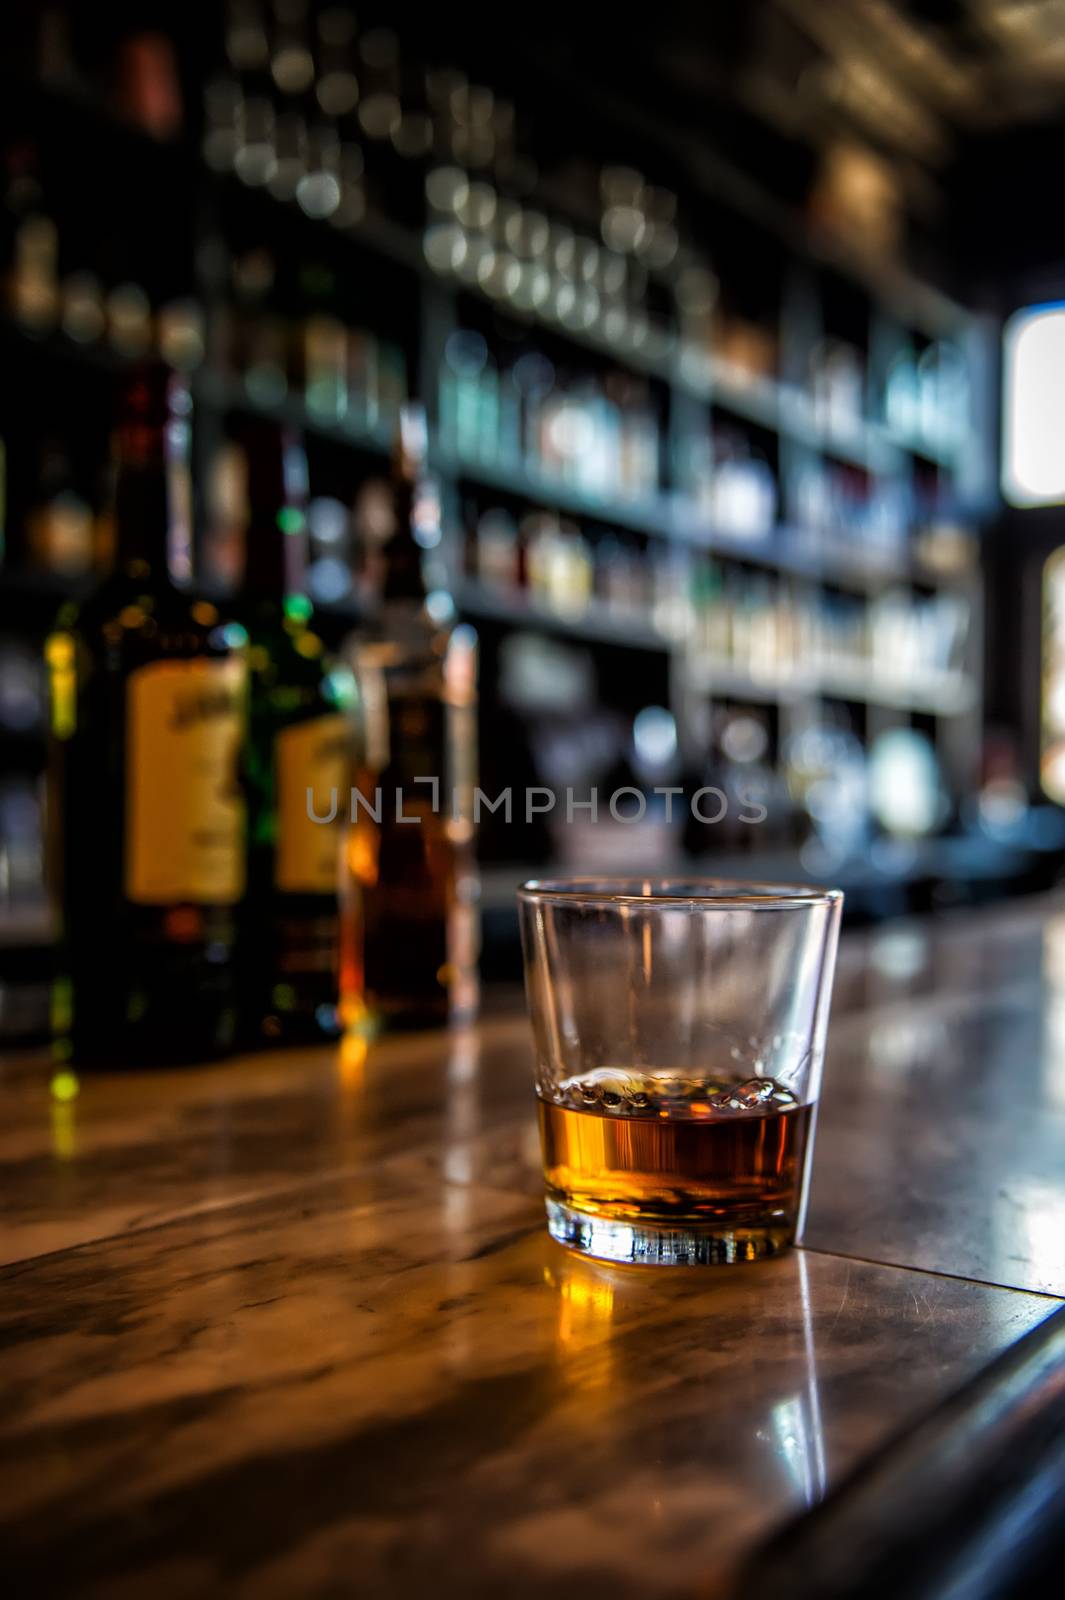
(146, 815)
(297, 766)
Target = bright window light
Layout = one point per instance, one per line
(1052, 741)
(1033, 441)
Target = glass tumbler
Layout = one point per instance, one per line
(679, 1030)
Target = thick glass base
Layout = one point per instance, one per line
(657, 1244)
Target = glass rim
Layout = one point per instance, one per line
(706, 893)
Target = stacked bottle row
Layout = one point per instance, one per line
(775, 633)
(841, 506)
(53, 287)
(550, 560)
(218, 884)
(345, 121)
(540, 266)
(763, 629)
(605, 436)
(598, 435)
(315, 110)
(342, 373)
(922, 400)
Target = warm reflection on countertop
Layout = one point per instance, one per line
(293, 1325)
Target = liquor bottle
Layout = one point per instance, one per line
(411, 848)
(32, 286)
(297, 766)
(59, 525)
(146, 819)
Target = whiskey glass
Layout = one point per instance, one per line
(679, 1031)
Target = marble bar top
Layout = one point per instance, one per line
(292, 1325)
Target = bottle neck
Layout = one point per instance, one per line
(142, 516)
(152, 494)
(275, 548)
(404, 578)
(275, 564)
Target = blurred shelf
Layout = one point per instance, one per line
(67, 111)
(212, 390)
(390, 241)
(763, 403)
(651, 516)
(785, 550)
(766, 403)
(860, 443)
(662, 516)
(222, 392)
(786, 410)
(596, 624)
(657, 354)
(791, 550)
(756, 399)
(55, 345)
(650, 357)
(781, 408)
(945, 694)
(940, 455)
(721, 680)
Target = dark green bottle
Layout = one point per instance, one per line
(145, 813)
(297, 766)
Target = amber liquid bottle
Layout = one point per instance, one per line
(146, 819)
(297, 765)
(410, 854)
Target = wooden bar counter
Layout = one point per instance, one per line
(292, 1325)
